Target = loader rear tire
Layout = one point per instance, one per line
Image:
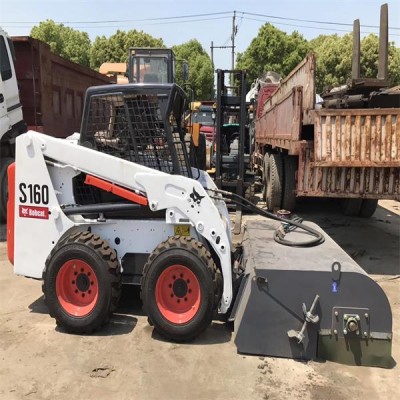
(180, 288)
(4, 163)
(82, 282)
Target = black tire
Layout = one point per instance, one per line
(103, 275)
(351, 207)
(163, 283)
(274, 186)
(201, 152)
(368, 208)
(290, 165)
(4, 163)
(265, 175)
(198, 155)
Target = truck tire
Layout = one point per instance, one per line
(274, 186)
(351, 207)
(290, 166)
(265, 175)
(4, 163)
(368, 207)
(180, 288)
(82, 282)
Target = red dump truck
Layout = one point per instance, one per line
(303, 150)
(51, 95)
(346, 147)
(51, 88)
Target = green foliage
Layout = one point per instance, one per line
(116, 47)
(201, 76)
(69, 43)
(394, 65)
(334, 54)
(272, 50)
(333, 59)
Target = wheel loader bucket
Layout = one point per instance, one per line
(309, 303)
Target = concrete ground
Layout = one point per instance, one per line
(127, 360)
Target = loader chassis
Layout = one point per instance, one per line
(121, 203)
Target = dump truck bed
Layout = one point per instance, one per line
(342, 152)
(52, 89)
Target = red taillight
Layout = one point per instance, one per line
(10, 212)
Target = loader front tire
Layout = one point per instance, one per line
(180, 288)
(82, 282)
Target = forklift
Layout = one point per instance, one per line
(232, 153)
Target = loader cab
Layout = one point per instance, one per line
(147, 65)
(152, 65)
(139, 123)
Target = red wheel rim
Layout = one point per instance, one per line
(77, 288)
(178, 294)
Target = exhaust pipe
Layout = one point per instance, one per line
(383, 44)
(355, 69)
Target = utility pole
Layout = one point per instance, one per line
(233, 38)
(234, 32)
(212, 54)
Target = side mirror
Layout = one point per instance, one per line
(185, 71)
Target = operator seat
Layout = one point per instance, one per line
(150, 78)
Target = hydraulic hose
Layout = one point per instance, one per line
(287, 224)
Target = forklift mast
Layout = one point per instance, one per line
(231, 108)
(230, 155)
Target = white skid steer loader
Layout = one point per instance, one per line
(120, 203)
(84, 215)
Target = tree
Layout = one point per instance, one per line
(69, 43)
(334, 58)
(369, 59)
(116, 47)
(201, 75)
(333, 55)
(272, 50)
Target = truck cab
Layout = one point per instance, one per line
(11, 122)
(10, 106)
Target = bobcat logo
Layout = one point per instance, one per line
(24, 211)
(196, 197)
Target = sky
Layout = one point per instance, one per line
(207, 21)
